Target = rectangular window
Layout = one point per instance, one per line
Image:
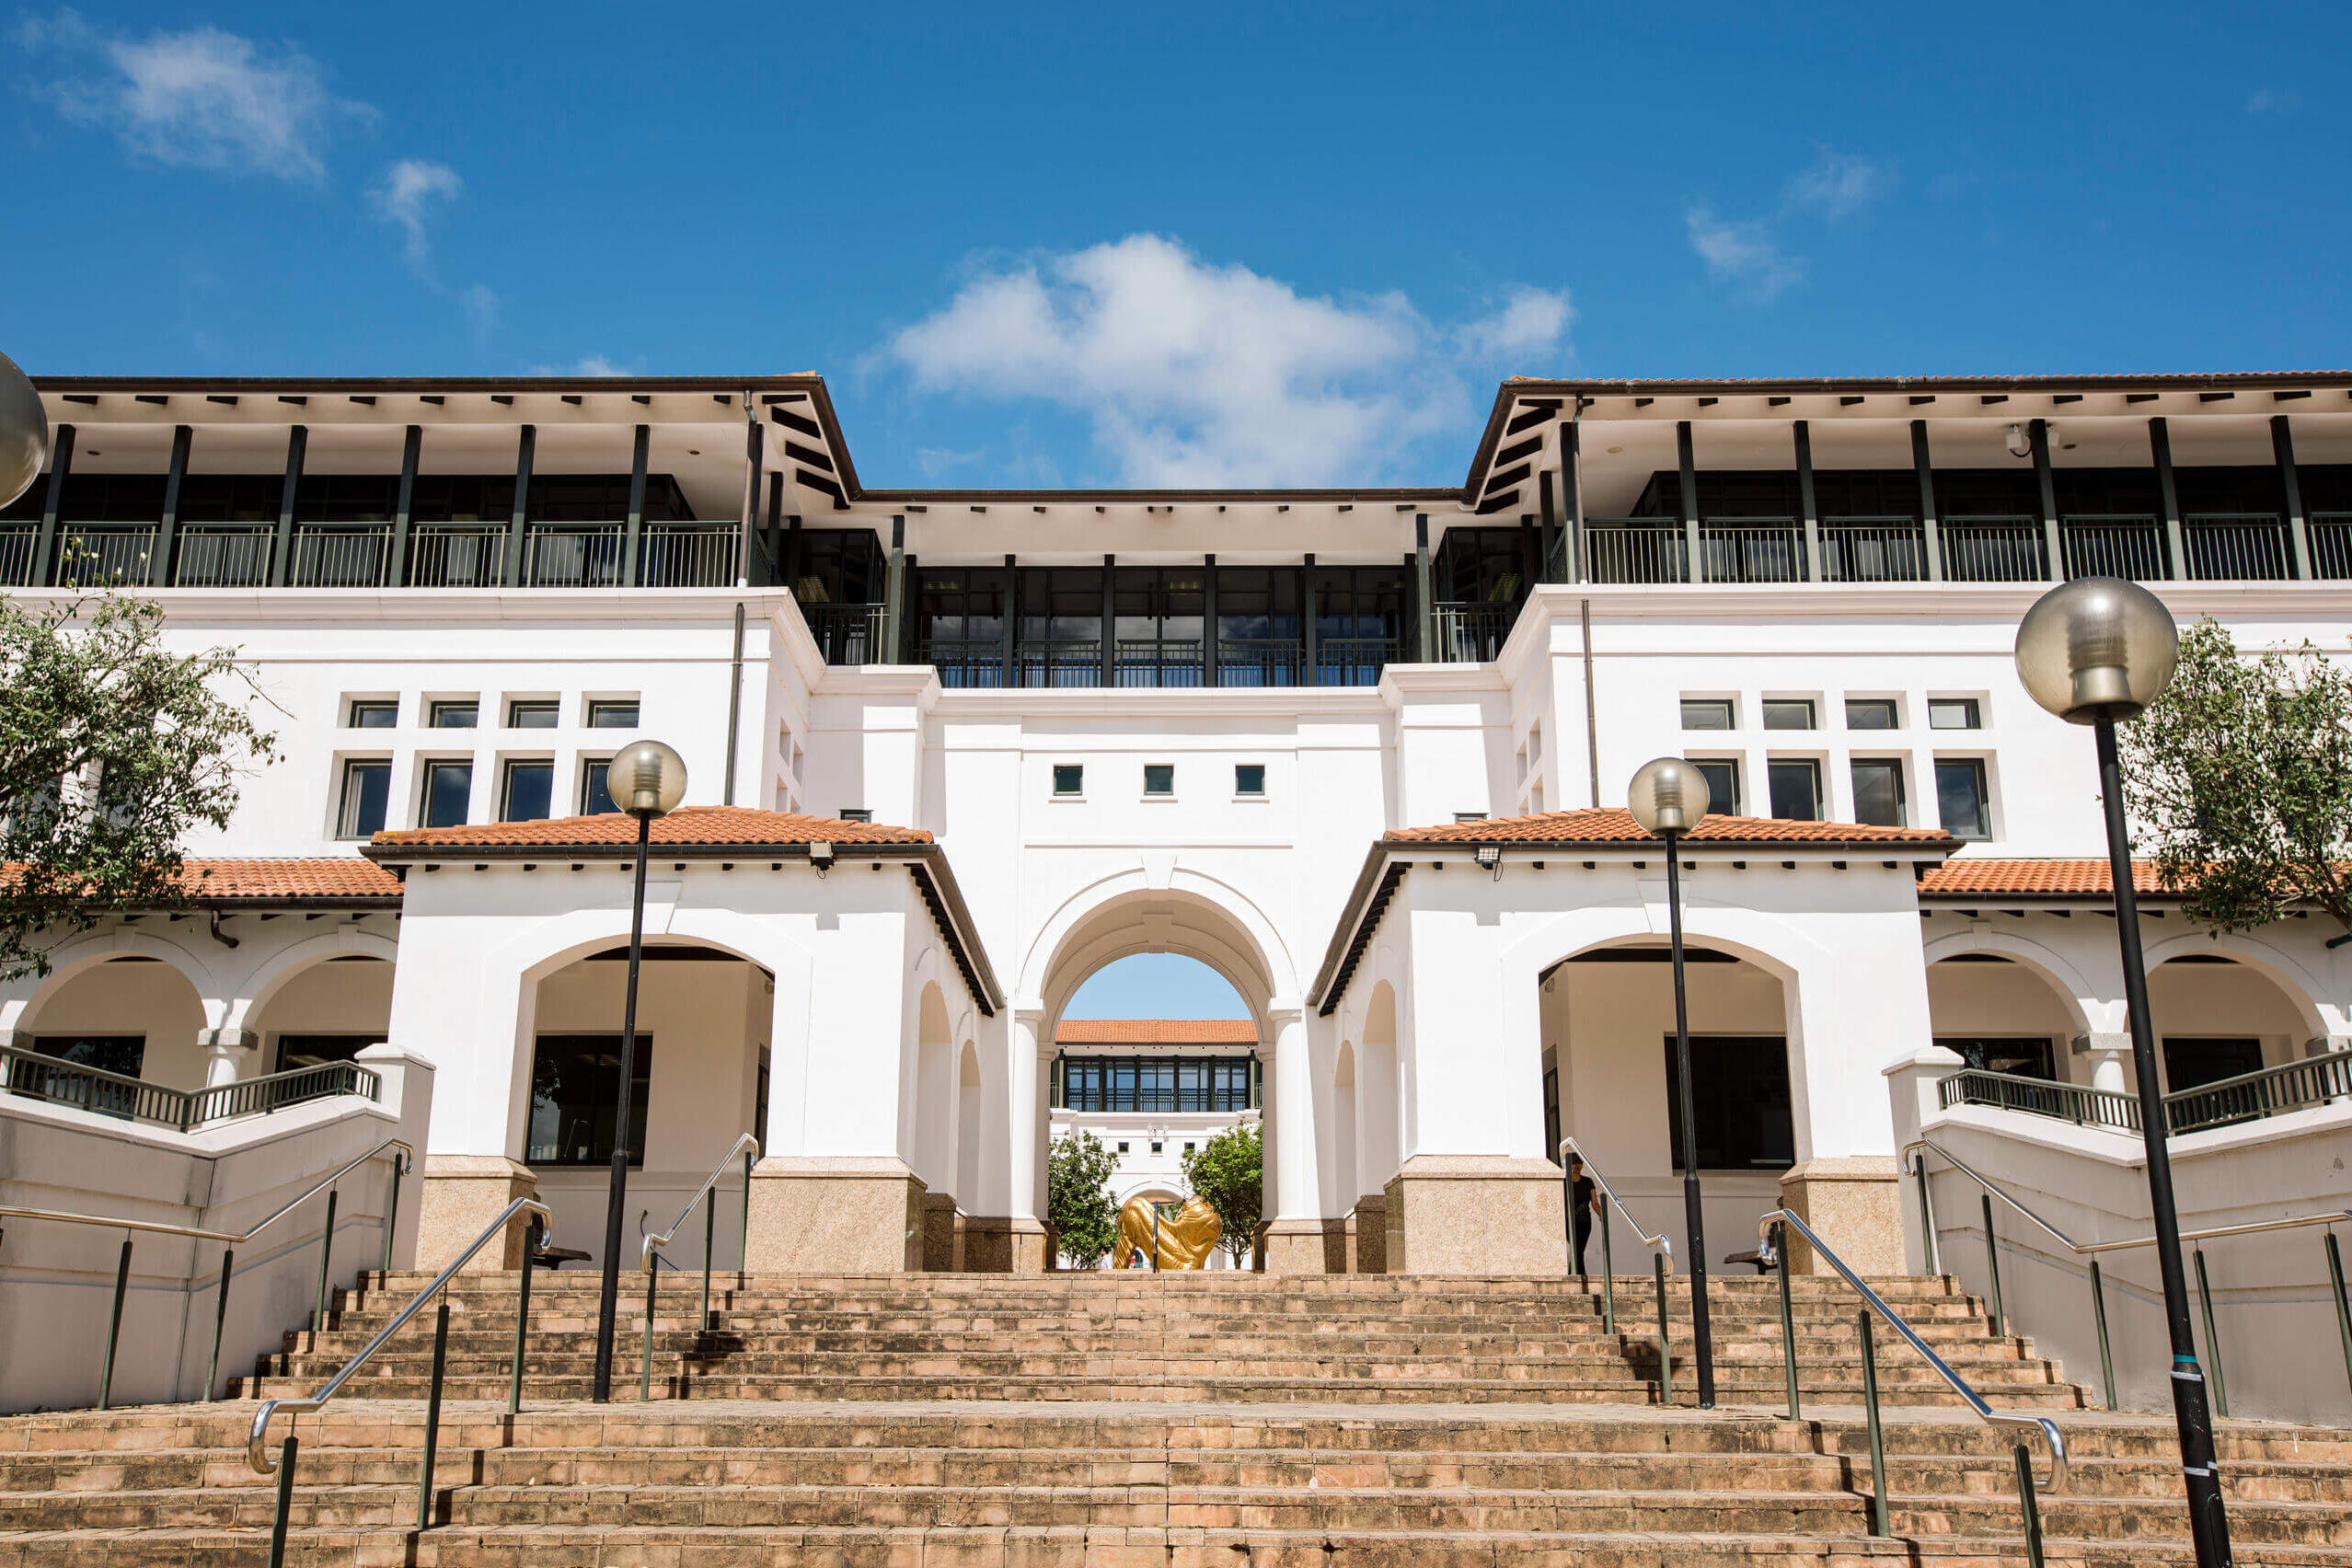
(1552, 1114)
(596, 794)
(1723, 784)
(367, 785)
(1706, 714)
(1960, 797)
(575, 1098)
(455, 715)
(856, 814)
(1955, 713)
(1870, 713)
(1156, 1083)
(529, 792)
(1787, 713)
(1878, 791)
(373, 713)
(1740, 1102)
(120, 1053)
(448, 791)
(1159, 778)
(1249, 778)
(531, 714)
(298, 1051)
(1069, 779)
(2193, 1063)
(612, 715)
(1796, 790)
(2021, 1058)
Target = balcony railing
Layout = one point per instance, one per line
(2331, 536)
(1058, 661)
(1872, 549)
(1159, 662)
(458, 555)
(1993, 549)
(1353, 661)
(2237, 545)
(1471, 633)
(846, 634)
(1751, 549)
(2114, 545)
(573, 555)
(1260, 661)
(223, 555)
(966, 664)
(1633, 549)
(19, 542)
(2041, 1097)
(2314, 1080)
(42, 1078)
(687, 555)
(103, 555)
(340, 554)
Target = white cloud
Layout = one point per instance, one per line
(480, 306)
(2275, 100)
(202, 99)
(587, 364)
(1750, 255)
(1742, 253)
(1192, 374)
(1838, 185)
(402, 195)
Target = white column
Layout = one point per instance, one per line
(227, 1052)
(2110, 1061)
(1298, 1194)
(1030, 1085)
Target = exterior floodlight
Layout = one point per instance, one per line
(647, 780)
(820, 855)
(2020, 444)
(1667, 796)
(2097, 648)
(24, 432)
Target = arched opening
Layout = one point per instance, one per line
(2000, 1012)
(1379, 1135)
(327, 1011)
(2219, 1017)
(132, 1014)
(1345, 1131)
(967, 1123)
(699, 1082)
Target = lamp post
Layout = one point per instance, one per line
(24, 432)
(647, 780)
(2092, 651)
(1668, 798)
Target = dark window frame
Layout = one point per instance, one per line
(1739, 1094)
(433, 769)
(507, 780)
(350, 813)
(600, 1080)
(371, 707)
(1982, 782)
(1775, 767)
(1890, 766)
(1728, 706)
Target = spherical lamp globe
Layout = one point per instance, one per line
(1668, 796)
(2096, 648)
(647, 780)
(24, 432)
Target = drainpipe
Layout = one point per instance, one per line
(734, 706)
(1592, 718)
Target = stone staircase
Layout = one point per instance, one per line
(1237, 1420)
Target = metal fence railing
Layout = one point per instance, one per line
(2113, 544)
(223, 555)
(1637, 550)
(2237, 545)
(37, 1077)
(458, 555)
(1751, 549)
(2271, 1092)
(846, 634)
(1993, 549)
(340, 555)
(1872, 549)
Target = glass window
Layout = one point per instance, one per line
(1159, 778)
(529, 792)
(2194, 1063)
(449, 787)
(1249, 778)
(1796, 790)
(367, 785)
(1740, 1103)
(1960, 797)
(298, 1051)
(1870, 713)
(2026, 1057)
(1069, 779)
(455, 715)
(1723, 784)
(1787, 713)
(856, 814)
(1954, 713)
(612, 715)
(1878, 791)
(371, 713)
(1165, 1083)
(575, 1098)
(531, 714)
(595, 796)
(1706, 713)
(118, 1053)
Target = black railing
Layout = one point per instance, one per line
(1260, 661)
(573, 555)
(104, 555)
(1638, 549)
(2041, 1097)
(846, 634)
(2272, 1091)
(2237, 545)
(1471, 633)
(2331, 537)
(1874, 549)
(458, 555)
(19, 542)
(1993, 549)
(1159, 662)
(223, 555)
(59, 1082)
(2114, 545)
(340, 554)
(1354, 660)
(966, 664)
(1058, 661)
(687, 554)
(1751, 549)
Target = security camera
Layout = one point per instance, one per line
(821, 856)
(2020, 444)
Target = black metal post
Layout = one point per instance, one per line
(1310, 662)
(633, 528)
(521, 1317)
(286, 1452)
(168, 525)
(1931, 530)
(220, 1321)
(2037, 437)
(114, 1327)
(894, 593)
(1879, 1525)
(2208, 1524)
(525, 449)
(1693, 1220)
(326, 1255)
(289, 499)
(432, 1414)
(1687, 502)
(404, 508)
(1424, 593)
(2168, 496)
(61, 469)
(610, 1300)
(1210, 673)
(1809, 501)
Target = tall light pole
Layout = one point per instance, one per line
(2092, 651)
(647, 780)
(24, 432)
(1668, 797)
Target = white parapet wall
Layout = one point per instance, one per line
(57, 1279)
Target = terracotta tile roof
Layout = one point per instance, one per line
(686, 826)
(1615, 825)
(2037, 879)
(327, 878)
(1155, 1031)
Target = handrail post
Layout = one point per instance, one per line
(2099, 1310)
(1787, 1316)
(286, 1452)
(1608, 1280)
(2212, 1340)
(432, 1414)
(710, 1241)
(743, 1258)
(1927, 1212)
(392, 1211)
(521, 1317)
(114, 1327)
(1992, 1263)
(326, 1249)
(2030, 1506)
(2343, 1308)
(220, 1321)
(1665, 1339)
(645, 1362)
(1878, 1520)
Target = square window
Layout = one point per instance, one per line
(1249, 778)
(1723, 784)
(595, 791)
(449, 787)
(615, 715)
(1188, 1148)
(1955, 713)
(575, 1098)
(1870, 713)
(856, 814)
(529, 792)
(1796, 790)
(1706, 713)
(455, 715)
(1155, 1149)
(1069, 779)
(1159, 778)
(1123, 1148)
(1960, 797)
(535, 713)
(374, 714)
(1470, 816)
(367, 785)
(1787, 713)
(1878, 791)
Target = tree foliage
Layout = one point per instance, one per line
(1230, 1172)
(2238, 780)
(111, 748)
(1078, 1197)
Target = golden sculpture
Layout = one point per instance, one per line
(1184, 1238)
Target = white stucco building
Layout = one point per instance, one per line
(1363, 752)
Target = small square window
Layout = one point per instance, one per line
(1470, 816)
(1723, 784)
(1796, 790)
(1787, 713)
(1878, 791)
(1955, 713)
(366, 788)
(456, 715)
(1249, 778)
(1961, 797)
(620, 715)
(1069, 779)
(535, 713)
(1159, 778)
(1870, 713)
(1188, 1148)
(856, 814)
(1706, 714)
(1155, 1149)
(1123, 1148)
(529, 791)
(371, 713)
(448, 791)
(595, 788)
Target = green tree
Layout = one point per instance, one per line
(111, 748)
(1078, 1197)
(1230, 1172)
(2239, 782)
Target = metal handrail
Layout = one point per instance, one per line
(1661, 1260)
(408, 1163)
(649, 1251)
(656, 1243)
(257, 1452)
(1658, 1244)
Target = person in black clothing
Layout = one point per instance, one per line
(1583, 1196)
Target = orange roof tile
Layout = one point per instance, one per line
(1155, 1031)
(2039, 879)
(1615, 825)
(336, 879)
(687, 827)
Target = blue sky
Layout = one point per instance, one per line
(1155, 985)
(1047, 244)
